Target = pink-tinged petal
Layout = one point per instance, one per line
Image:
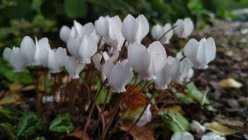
(158, 58)
(138, 58)
(17, 60)
(102, 26)
(73, 47)
(64, 33)
(129, 29)
(87, 49)
(120, 76)
(210, 49)
(7, 54)
(143, 27)
(28, 49)
(107, 69)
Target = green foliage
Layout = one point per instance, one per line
(28, 124)
(175, 121)
(75, 8)
(10, 113)
(104, 95)
(62, 123)
(40, 138)
(9, 130)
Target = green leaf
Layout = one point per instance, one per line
(195, 94)
(10, 113)
(62, 123)
(28, 124)
(175, 121)
(40, 138)
(9, 129)
(75, 8)
(11, 76)
(104, 93)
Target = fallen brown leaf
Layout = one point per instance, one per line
(220, 129)
(79, 134)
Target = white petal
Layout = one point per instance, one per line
(102, 27)
(73, 67)
(41, 52)
(17, 60)
(186, 67)
(107, 69)
(61, 55)
(157, 32)
(64, 33)
(97, 60)
(182, 136)
(210, 49)
(188, 27)
(168, 35)
(158, 58)
(129, 29)
(53, 64)
(139, 58)
(120, 76)
(87, 49)
(28, 49)
(143, 27)
(212, 136)
(179, 29)
(175, 68)
(146, 117)
(163, 77)
(190, 50)
(7, 54)
(73, 47)
(201, 54)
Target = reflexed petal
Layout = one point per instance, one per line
(64, 33)
(28, 49)
(210, 49)
(179, 29)
(129, 28)
(73, 47)
(7, 54)
(158, 58)
(61, 55)
(53, 64)
(107, 69)
(138, 58)
(175, 68)
(190, 50)
(185, 69)
(146, 117)
(188, 27)
(41, 52)
(157, 32)
(163, 77)
(121, 75)
(17, 60)
(201, 55)
(102, 26)
(87, 49)
(73, 67)
(168, 35)
(97, 60)
(143, 27)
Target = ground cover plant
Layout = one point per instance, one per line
(112, 81)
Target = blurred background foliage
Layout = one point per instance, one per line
(44, 17)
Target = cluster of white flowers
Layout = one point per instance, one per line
(85, 43)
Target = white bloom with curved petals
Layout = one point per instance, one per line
(42, 48)
(107, 69)
(73, 67)
(163, 77)
(200, 53)
(212, 136)
(56, 58)
(64, 33)
(139, 59)
(182, 136)
(87, 49)
(120, 76)
(16, 59)
(7, 54)
(134, 30)
(158, 33)
(184, 27)
(28, 49)
(146, 117)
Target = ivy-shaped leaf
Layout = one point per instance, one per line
(62, 123)
(28, 124)
(175, 121)
(9, 113)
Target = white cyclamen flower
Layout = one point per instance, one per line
(195, 126)
(158, 33)
(182, 136)
(118, 75)
(64, 33)
(134, 30)
(184, 27)
(73, 67)
(28, 49)
(56, 58)
(200, 53)
(42, 48)
(212, 136)
(15, 58)
(146, 117)
(87, 49)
